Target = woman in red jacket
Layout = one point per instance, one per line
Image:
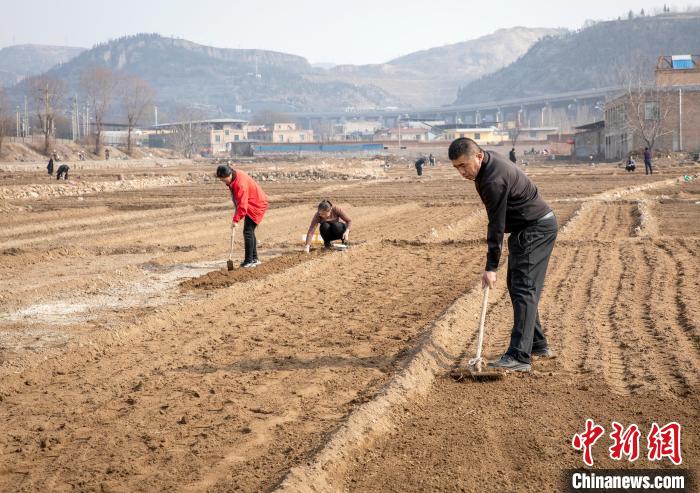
(250, 202)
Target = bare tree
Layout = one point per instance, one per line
(100, 85)
(514, 133)
(136, 97)
(47, 93)
(188, 133)
(647, 111)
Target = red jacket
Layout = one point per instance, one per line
(248, 198)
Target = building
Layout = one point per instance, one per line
(589, 140)
(204, 136)
(405, 134)
(357, 130)
(678, 70)
(223, 132)
(280, 133)
(667, 112)
(120, 138)
(480, 135)
(536, 134)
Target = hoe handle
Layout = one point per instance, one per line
(230, 253)
(482, 319)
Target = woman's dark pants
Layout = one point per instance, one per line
(332, 231)
(251, 244)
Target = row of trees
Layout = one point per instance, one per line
(107, 92)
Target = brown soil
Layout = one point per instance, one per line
(131, 360)
(224, 278)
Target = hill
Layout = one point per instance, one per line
(595, 57)
(20, 61)
(218, 79)
(432, 77)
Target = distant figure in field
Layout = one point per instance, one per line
(419, 165)
(511, 156)
(431, 160)
(631, 165)
(106, 154)
(335, 225)
(647, 162)
(62, 171)
(49, 167)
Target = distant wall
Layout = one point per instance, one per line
(315, 148)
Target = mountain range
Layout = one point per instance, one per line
(432, 77)
(218, 80)
(20, 61)
(507, 64)
(604, 54)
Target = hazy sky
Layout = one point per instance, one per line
(353, 31)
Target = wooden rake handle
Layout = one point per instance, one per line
(482, 320)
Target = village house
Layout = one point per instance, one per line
(671, 105)
(280, 133)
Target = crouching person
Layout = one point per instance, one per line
(62, 172)
(334, 225)
(250, 202)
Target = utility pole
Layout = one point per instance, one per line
(680, 119)
(398, 124)
(77, 117)
(155, 115)
(26, 120)
(17, 121)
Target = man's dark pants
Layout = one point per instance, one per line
(528, 255)
(251, 244)
(647, 167)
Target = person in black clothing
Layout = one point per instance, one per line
(419, 165)
(49, 167)
(62, 171)
(511, 155)
(647, 162)
(514, 206)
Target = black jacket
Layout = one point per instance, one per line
(512, 202)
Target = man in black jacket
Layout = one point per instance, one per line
(513, 205)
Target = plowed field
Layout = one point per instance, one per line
(131, 360)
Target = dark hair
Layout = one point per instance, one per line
(223, 171)
(462, 147)
(324, 205)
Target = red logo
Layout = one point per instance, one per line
(665, 442)
(662, 442)
(585, 441)
(625, 442)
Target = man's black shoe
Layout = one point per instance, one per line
(509, 363)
